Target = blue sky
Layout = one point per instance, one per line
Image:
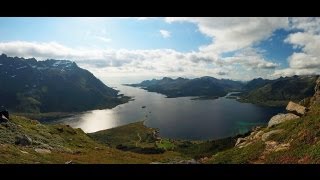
(140, 48)
(123, 33)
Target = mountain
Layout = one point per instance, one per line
(28, 85)
(205, 86)
(280, 91)
(255, 83)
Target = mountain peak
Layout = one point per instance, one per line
(167, 79)
(52, 85)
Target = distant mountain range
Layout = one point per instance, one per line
(260, 91)
(28, 85)
(279, 91)
(181, 87)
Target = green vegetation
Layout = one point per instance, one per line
(64, 144)
(126, 138)
(46, 117)
(134, 137)
(202, 149)
(165, 144)
(239, 156)
(134, 134)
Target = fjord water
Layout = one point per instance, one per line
(180, 118)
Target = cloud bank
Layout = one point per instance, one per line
(236, 35)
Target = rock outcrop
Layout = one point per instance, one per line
(23, 140)
(42, 151)
(240, 141)
(273, 146)
(280, 118)
(296, 108)
(316, 96)
(266, 135)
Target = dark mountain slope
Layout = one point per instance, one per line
(280, 91)
(28, 85)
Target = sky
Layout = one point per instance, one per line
(129, 50)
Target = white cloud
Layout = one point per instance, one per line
(308, 24)
(230, 34)
(307, 59)
(251, 59)
(104, 39)
(165, 33)
(157, 62)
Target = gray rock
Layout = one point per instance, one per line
(69, 162)
(240, 141)
(280, 118)
(98, 148)
(42, 151)
(24, 152)
(266, 135)
(23, 140)
(191, 161)
(273, 146)
(155, 163)
(258, 135)
(296, 108)
(316, 96)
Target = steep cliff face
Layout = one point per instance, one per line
(316, 97)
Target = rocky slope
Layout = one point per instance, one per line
(289, 138)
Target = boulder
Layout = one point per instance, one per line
(240, 140)
(69, 162)
(191, 161)
(42, 151)
(280, 118)
(296, 108)
(23, 140)
(266, 135)
(273, 146)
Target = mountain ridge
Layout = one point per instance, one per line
(181, 87)
(276, 92)
(35, 86)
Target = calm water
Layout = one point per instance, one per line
(177, 117)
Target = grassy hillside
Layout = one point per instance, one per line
(62, 144)
(136, 137)
(297, 142)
